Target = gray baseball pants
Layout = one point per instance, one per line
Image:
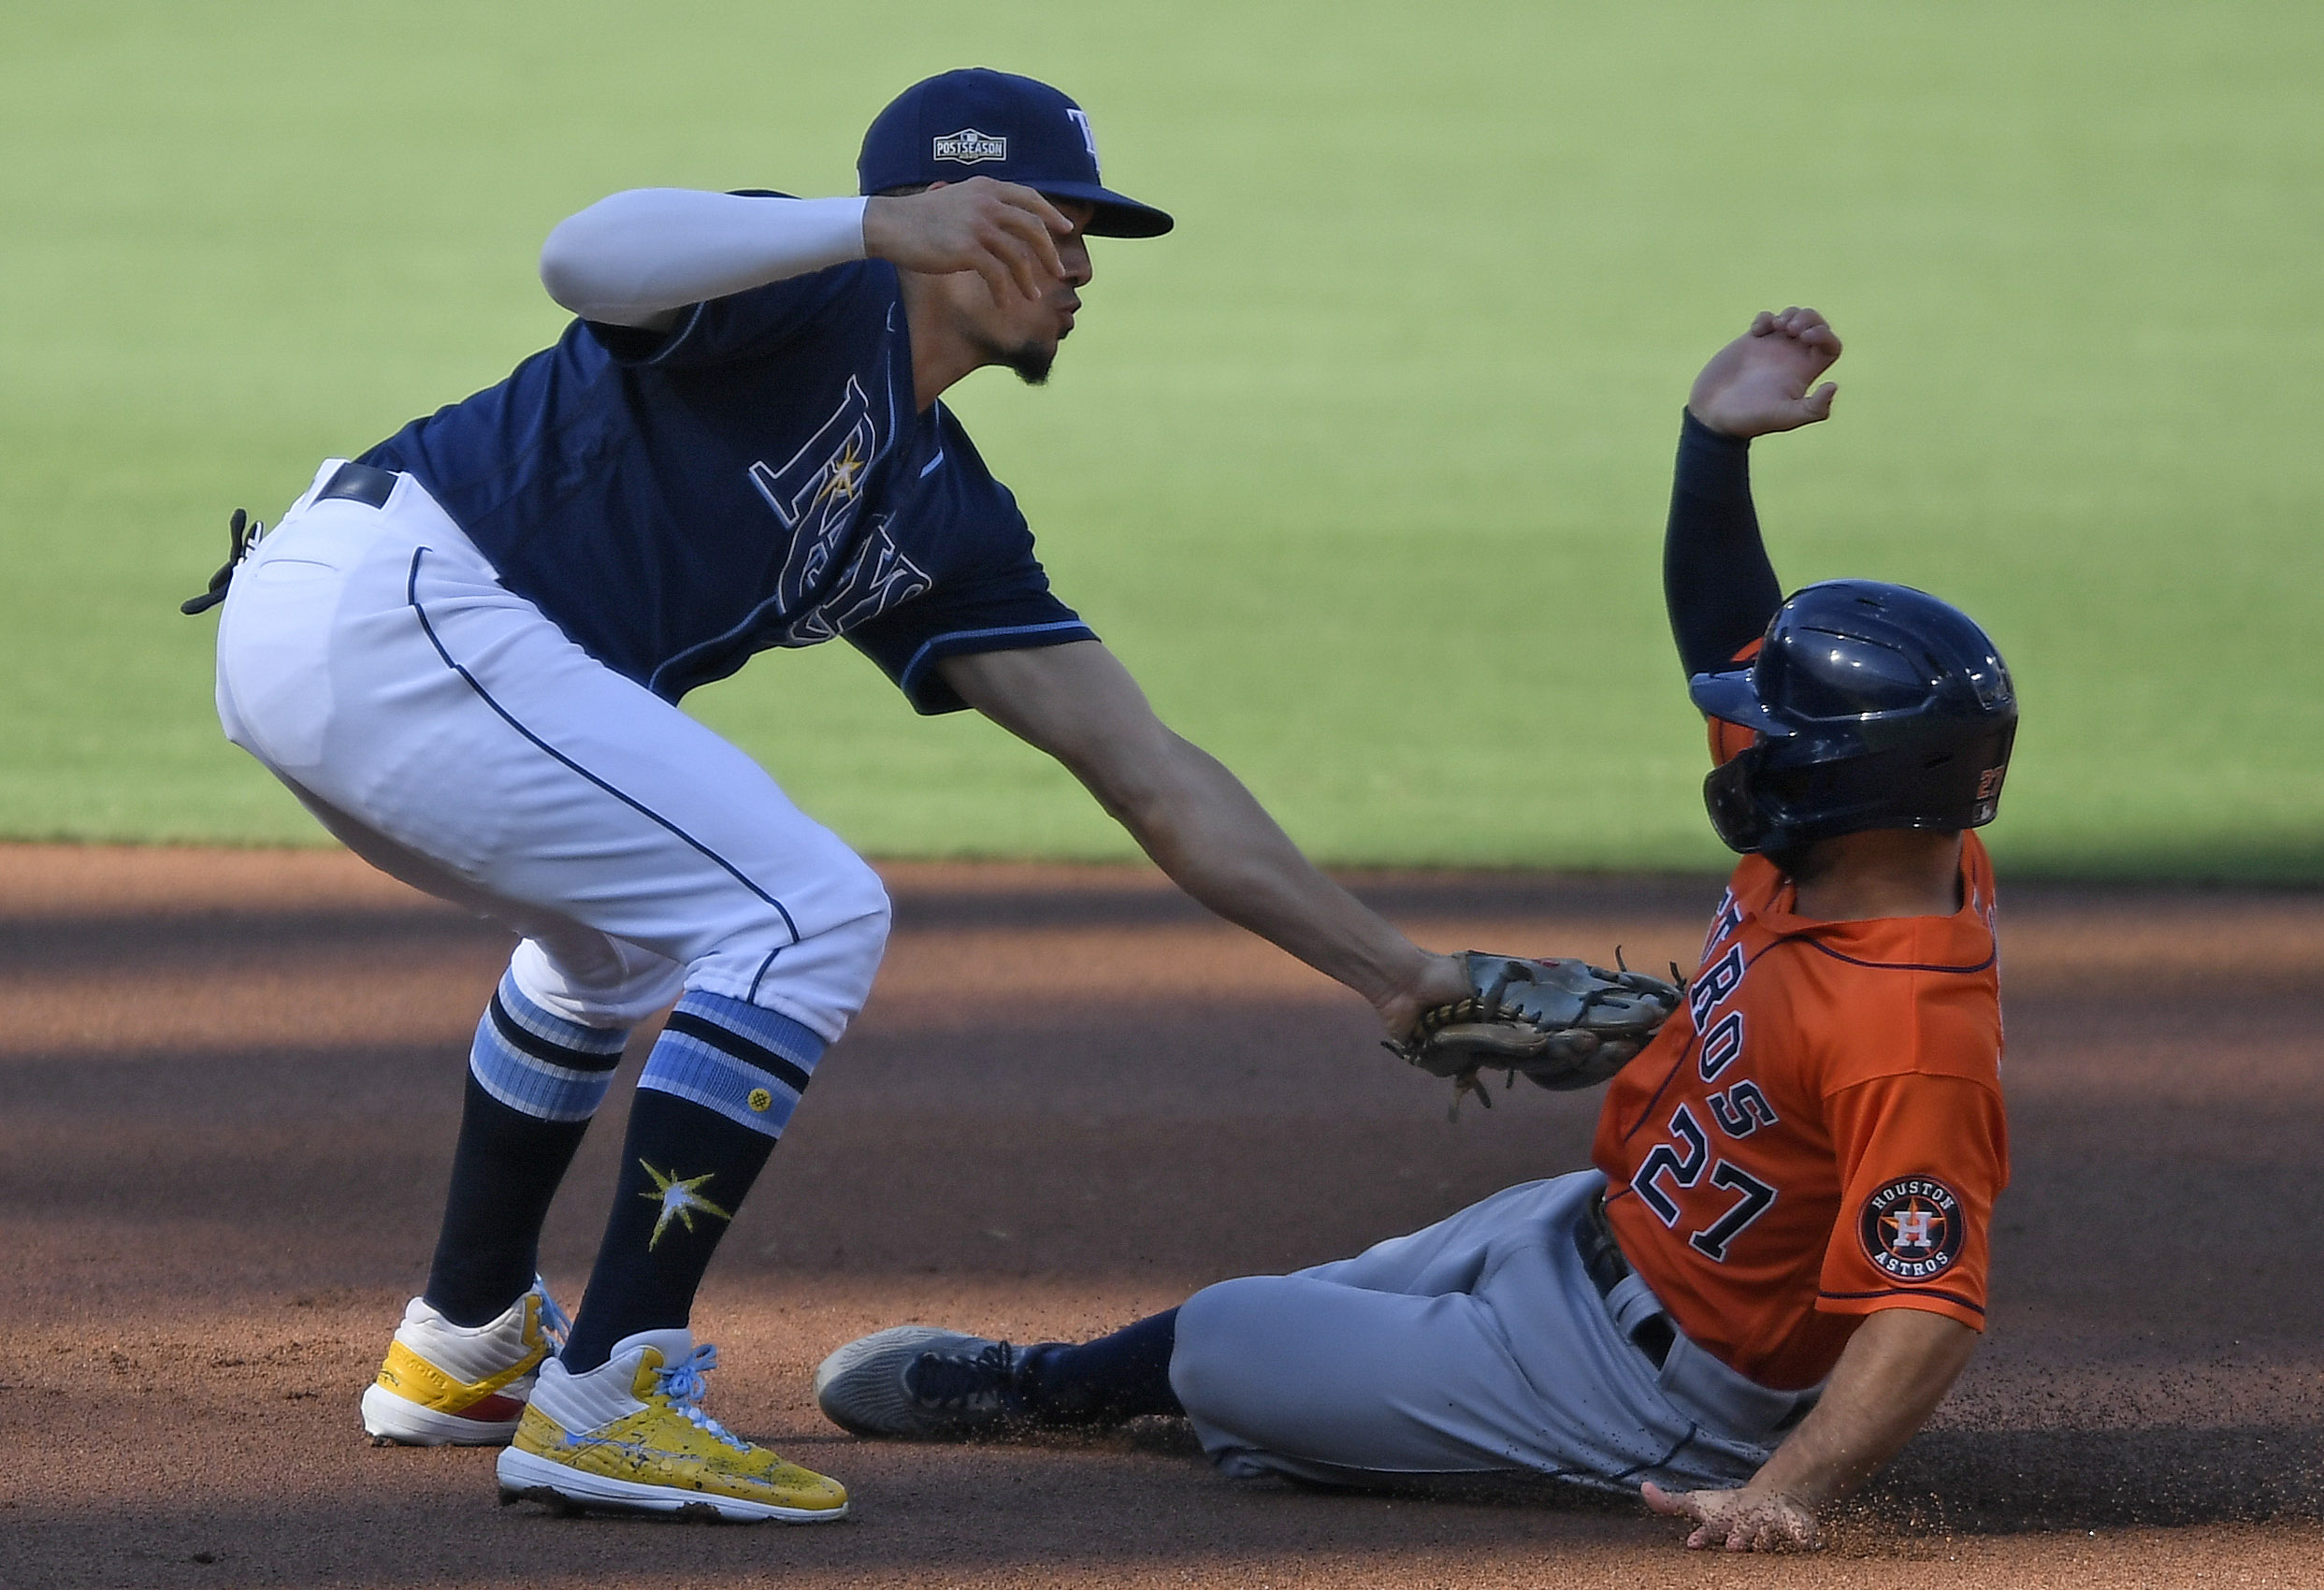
(1478, 1344)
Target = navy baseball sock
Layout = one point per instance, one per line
(1118, 1376)
(717, 1091)
(534, 1079)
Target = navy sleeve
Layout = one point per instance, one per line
(1716, 580)
(1011, 611)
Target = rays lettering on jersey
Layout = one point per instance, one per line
(816, 495)
(877, 578)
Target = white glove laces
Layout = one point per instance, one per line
(682, 1385)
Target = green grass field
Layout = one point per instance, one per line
(1362, 470)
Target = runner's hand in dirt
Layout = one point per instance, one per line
(1738, 1521)
(1893, 1371)
(1759, 382)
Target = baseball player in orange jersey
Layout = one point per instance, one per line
(1777, 1267)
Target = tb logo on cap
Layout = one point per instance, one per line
(1089, 137)
(968, 145)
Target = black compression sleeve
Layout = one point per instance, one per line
(1716, 578)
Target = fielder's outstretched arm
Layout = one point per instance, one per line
(639, 257)
(1890, 1378)
(1197, 821)
(1717, 583)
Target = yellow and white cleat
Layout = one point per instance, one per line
(444, 1384)
(630, 1436)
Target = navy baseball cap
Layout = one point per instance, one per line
(980, 123)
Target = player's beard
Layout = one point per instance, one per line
(1031, 360)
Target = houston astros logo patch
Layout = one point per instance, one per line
(1911, 1228)
(968, 145)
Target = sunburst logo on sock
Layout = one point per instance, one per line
(679, 1202)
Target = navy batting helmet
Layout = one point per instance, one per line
(1873, 706)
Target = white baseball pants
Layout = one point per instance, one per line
(448, 733)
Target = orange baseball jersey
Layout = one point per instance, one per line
(1817, 1134)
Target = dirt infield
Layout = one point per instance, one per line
(229, 1084)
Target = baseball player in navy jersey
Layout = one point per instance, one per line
(463, 652)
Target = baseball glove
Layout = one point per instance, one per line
(1559, 1023)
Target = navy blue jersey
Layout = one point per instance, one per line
(755, 477)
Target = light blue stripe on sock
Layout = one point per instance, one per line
(535, 1084)
(795, 1041)
(705, 1075)
(534, 1087)
(547, 1024)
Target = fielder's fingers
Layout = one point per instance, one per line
(1761, 324)
(1000, 278)
(1053, 218)
(1035, 201)
(994, 244)
(1819, 402)
(1037, 220)
(1024, 266)
(1038, 244)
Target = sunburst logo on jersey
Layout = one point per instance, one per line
(679, 1202)
(845, 476)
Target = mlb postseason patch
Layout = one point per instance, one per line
(1912, 1228)
(968, 145)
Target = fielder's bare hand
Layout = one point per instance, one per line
(1761, 382)
(1424, 984)
(1004, 233)
(1738, 1520)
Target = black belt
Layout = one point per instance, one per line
(359, 483)
(1602, 1260)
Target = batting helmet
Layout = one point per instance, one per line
(1872, 706)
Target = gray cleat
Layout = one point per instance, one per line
(917, 1383)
